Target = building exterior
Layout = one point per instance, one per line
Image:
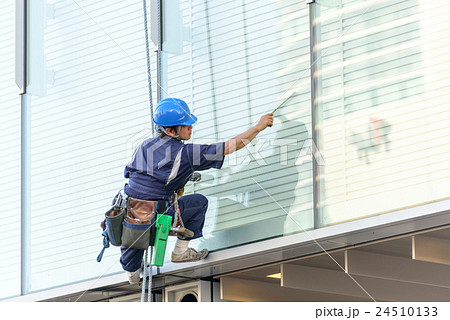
(345, 198)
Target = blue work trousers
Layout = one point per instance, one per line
(193, 209)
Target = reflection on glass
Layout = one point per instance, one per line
(238, 61)
(377, 107)
(263, 197)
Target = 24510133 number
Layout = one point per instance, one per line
(407, 311)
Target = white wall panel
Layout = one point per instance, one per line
(92, 113)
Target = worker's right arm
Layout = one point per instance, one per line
(244, 138)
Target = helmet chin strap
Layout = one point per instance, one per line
(162, 129)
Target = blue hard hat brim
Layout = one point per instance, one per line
(191, 121)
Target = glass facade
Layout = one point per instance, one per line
(379, 90)
(382, 106)
(90, 104)
(10, 157)
(235, 61)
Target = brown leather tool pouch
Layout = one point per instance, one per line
(137, 227)
(140, 211)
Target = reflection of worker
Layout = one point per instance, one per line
(280, 172)
(297, 181)
(163, 165)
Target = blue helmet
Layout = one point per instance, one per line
(173, 112)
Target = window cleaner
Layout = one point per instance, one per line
(159, 169)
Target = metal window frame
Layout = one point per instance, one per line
(21, 57)
(314, 107)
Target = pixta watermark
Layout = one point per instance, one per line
(142, 152)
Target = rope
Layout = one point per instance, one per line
(147, 49)
(145, 259)
(144, 286)
(177, 215)
(150, 277)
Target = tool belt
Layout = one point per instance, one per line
(130, 221)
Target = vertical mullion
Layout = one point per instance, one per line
(314, 109)
(25, 162)
(25, 193)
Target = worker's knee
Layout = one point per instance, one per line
(193, 205)
(194, 201)
(202, 200)
(202, 204)
(131, 258)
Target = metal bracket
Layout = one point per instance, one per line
(21, 33)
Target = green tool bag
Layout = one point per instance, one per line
(114, 224)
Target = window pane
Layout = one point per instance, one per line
(384, 106)
(10, 157)
(90, 104)
(234, 62)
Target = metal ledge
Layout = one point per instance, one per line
(342, 235)
(266, 252)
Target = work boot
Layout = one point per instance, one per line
(134, 277)
(189, 255)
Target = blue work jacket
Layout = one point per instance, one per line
(161, 166)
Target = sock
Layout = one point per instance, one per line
(180, 246)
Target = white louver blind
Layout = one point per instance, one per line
(9, 158)
(240, 58)
(384, 103)
(95, 108)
